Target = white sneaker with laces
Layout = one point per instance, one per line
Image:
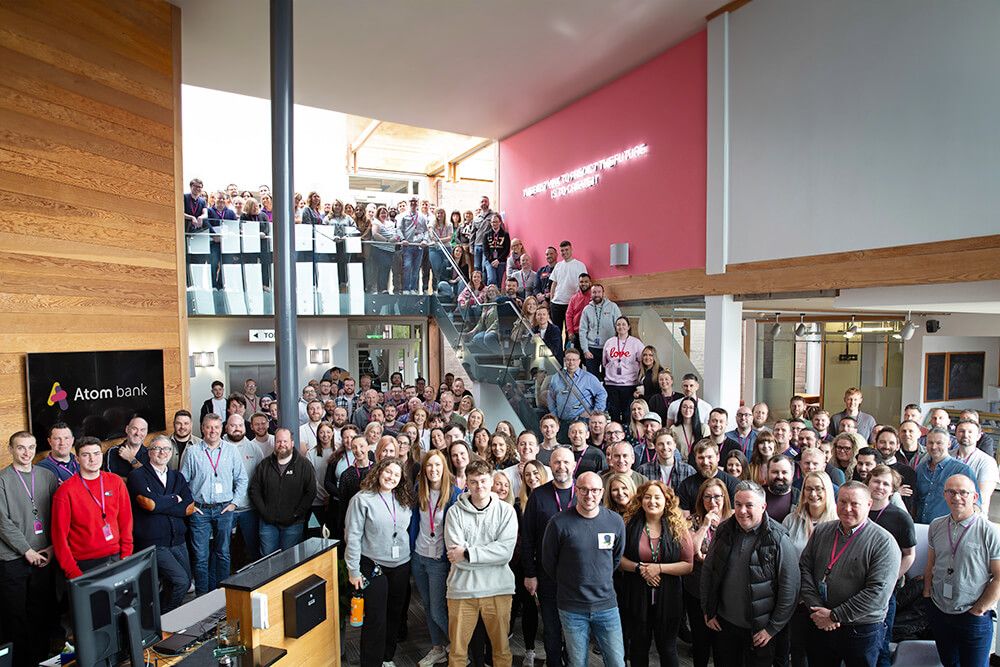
(529, 658)
(437, 654)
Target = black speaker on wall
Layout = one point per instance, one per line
(933, 326)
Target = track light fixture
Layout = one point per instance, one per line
(801, 329)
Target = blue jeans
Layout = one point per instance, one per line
(211, 524)
(477, 257)
(438, 260)
(381, 261)
(494, 274)
(854, 645)
(248, 526)
(605, 626)
(962, 639)
(412, 257)
(431, 577)
(446, 292)
(174, 569)
(274, 537)
(485, 342)
(884, 656)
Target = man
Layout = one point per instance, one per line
(215, 218)
(250, 395)
(548, 332)
(847, 425)
(574, 311)
(362, 413)
(597, 425)
(60, 461)
(985, 439)
(91, 515)
(527, 450)
(216, 404)
(669, 466)
(983, 465)
(939, 418)
(511, 295)
(882, 483)
(597, 325)
(962, 577)
(760, 415)
(480, 225)
(718, 420)
(588, 459)
(564, 281)
(932, 473)
(27, 578)
(308, 395)
(744, 434)
(195, 207)
(782, 431)
(432, 406)
(413, 228)
(852, 408)
(571, 555)
(836, 474)
(282, 490)
(660, 402)
(545, 502)
(887, 444)
(217, 477)
(307, 431)
(797, 409)
(326, 392)
(236, 404)
(689, 387)
(781, 497)
(849, 568)
(182, 436)
(549, 427)
(644, 450)
(448, 414)
(706, 457)
(131, 453)
(796, 426)
(161, 500)
(544, 274)
(347, 399)
(911, 449)
(479, 538)
(246, 518)
(575, 393)
(912, 413)
(458, 388)
(812, 460)
(265, 441)
(621, 460)
(821, 424)
(750, 584)
(864, 462)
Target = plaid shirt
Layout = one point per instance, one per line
(346, 402)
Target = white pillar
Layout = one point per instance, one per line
(814, 366)
(723, 352)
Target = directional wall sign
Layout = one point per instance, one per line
(261, 335)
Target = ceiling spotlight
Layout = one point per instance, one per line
(909, 328)
(776, 327)
(852, 330)
(684, 331)
(801, 329)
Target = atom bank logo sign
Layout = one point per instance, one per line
(60, 396)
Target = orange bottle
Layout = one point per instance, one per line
(357, 609)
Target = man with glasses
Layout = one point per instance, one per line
(962, 577)
(585, 543)
(575, 393)
(932, 472)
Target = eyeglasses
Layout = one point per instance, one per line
(161, 449)
(845, 448)
(583, 491)
(814, 489)
(960, 493)
(714, 498)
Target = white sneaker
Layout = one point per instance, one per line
(437, 654)
(529, 658)
(389, 664)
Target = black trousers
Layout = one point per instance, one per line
(558, 313)
(384, 600)
(702, 639)
(662, 633)
(620, 402)
(28, 609)
(734, 646)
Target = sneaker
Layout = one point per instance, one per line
(437, 654)
(389, 664)
(529, 658)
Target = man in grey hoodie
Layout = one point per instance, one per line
(479, 535)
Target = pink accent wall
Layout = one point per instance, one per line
(655, 203)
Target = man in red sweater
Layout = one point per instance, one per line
(91, 515)
(574, 310)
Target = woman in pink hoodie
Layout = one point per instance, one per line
(622, 366)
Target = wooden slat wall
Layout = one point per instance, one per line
(89, 154)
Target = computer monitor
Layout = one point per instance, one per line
(116, 611)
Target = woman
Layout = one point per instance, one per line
(845, 452)
(527, 278)
(521, 336)
(341, 460)
(501, 454)
(514, 258)
(474, 418)
(635, 433)
(435, 495)
(385, 236)
(298, 204)
(372, 434)
(621, 491)
(252, 213)
(459, 455)
(418, 418)
(817, 504)
(415, 232)
(736, 465)
(440, 237)
(711, 507)
(451, 280)
(496, 249)
(320, 456)
(438, 441)
(687, 430)
(505, 427)
(649, 374)
(484, 337)
(622, 354)
(533, 475)
(312, 214)
(470, 301)
(377, 551)
(658, 552)
(386, 449)
(266, 207)
(763, 450)
(411, 456)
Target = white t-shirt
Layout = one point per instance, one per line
(266, 445)
(982, 464)
(307, 436)
(566, 276)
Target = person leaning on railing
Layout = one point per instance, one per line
(386, 236)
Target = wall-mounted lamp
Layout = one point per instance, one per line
(319, 356)
(204, 359)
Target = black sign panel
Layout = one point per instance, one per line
(96, 393)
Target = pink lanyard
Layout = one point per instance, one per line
(215, 465)
(572, 495)
(104, 514)
(834, 554)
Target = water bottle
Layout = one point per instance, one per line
(357, 609)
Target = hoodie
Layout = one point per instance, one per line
(489, 536)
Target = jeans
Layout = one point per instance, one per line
(274, 537)
(412, 256)
(962, 639)
(174, 568)
(485, 342)
(438, 260)
(494, 274)
(605, 626)
(381, 265)
(431, 577)
(477, 257)
(884, 657)
(446, 291)
(211, 524)
(248, 526)
(854, 645)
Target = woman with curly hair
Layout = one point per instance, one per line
(378, 550)
(658, 552)
(501, 452)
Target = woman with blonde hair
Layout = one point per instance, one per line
(466, 406)
(620, 492)
(635, 431)
(533, 475)
(649, 374)
(845, 452)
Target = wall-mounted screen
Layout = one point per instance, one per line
(95, 393)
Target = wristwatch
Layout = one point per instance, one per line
(833, 617)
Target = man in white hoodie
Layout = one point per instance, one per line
(479, 536)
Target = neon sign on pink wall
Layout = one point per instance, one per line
(586, 177)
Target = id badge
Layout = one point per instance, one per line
(108, 534)
(605, 540)
(822, 590)
(218, 487)
(395, 551)
(38, 527)
(949, 591)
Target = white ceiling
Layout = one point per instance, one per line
(486, 68)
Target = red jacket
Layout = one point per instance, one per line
(77, 526)
(574, 311)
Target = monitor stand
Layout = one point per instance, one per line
(134, 635)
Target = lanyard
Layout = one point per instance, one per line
(665, 478)
(99, 503)
(834, 554)
(70, 467)
(744, 444)
(646, 457)
(955, 544)
(215, 464)
(654, 551)
(391, 510)
(572, 494)
(31, 493)
(880, 512)
(431, 508)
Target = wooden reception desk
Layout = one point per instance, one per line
(320, 646)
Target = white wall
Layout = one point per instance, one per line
(856, 124)
(978, 333)
(227, 139)
(229, 338)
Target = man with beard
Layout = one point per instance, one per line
(347, 398)
(706, 458)
(597, 324)
(307, 432)
(261, 437)
(780, 495)
(183, 436)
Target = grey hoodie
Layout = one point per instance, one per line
(368, 532)
(489, 535)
